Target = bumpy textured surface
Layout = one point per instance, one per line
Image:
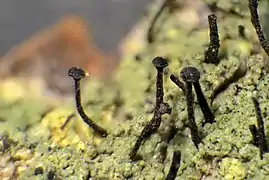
(35, 146)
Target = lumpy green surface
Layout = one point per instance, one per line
(37, 147)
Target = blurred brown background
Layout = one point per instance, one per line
(43, 39)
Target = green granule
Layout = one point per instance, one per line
(76, 153)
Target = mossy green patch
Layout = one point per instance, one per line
(125, 107)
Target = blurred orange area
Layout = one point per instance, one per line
(52, 51)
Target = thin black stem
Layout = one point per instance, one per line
(191, 75)
(46, 112)
(151, 30)
(137, 145)
(177, 82)
(208, 114)
(260, 133)
(174, 166)
(159, 88)
(82, 113)
(254, 132)
(255, 20)
(151, 127)
(68, 119)
(211, 54)
(161, 107)
(191, 119)
(148, 130)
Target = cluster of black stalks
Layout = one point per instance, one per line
(190, 76)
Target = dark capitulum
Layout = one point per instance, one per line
(189, 76)
(174, 166)
(211, 54)
(260, 135)
(159, 63)
(161, 107)
(208, 114)
(77, 74)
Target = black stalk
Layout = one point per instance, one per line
(208, 114)
(254, 132)
(77, 74)
(260, 129)
(68, 119)
(189, 76)
(255, 20)
(161, 107)
(211, 54)
(151, 30)
(177, 82)
(174, 166)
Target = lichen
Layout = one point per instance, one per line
(41, 149)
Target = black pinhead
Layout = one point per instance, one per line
(160, 62)
(190, 74)
(77, 73)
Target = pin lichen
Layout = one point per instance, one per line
(44, 150)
